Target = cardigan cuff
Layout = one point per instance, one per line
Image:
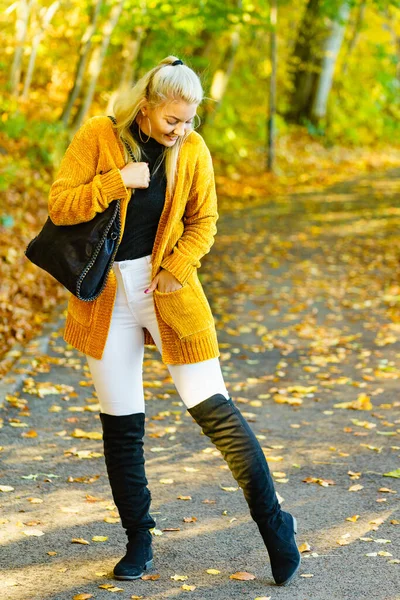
(179, 266)
(112, 185)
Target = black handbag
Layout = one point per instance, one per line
(80, 256)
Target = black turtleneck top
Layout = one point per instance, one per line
(146, 204)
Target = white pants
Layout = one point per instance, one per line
(118, 376)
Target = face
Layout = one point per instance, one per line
(168, 121)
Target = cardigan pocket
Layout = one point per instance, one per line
(186, 310)
(81, 311)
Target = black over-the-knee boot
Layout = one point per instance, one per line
(123, 451)
(226, 427)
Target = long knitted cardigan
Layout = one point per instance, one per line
(88, 179)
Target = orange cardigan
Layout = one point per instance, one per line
(88, 179)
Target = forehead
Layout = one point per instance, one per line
(179, 109)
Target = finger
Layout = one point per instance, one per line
(152, 286)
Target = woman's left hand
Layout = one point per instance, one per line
(164, 281)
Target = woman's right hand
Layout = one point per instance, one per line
(136, 175)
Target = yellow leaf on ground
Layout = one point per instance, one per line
(150, 577)
(99, 538)
(90, 435)
(242, 576)
(184, 497)
(188, 588)
(33, 532)
(80, 541)
(6, 488)
(356, 488)
(82, 597)
(111, 519)
(213, 571)
(179, 577)
(280, 399)
(353, 519)
(29, 434)
(166, 481)
(305, 547)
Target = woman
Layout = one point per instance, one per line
(153, 296)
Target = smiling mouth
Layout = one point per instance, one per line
(172, 137)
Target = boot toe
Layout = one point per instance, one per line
(282, 548)
(127, 571)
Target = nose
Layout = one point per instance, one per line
(179, 129)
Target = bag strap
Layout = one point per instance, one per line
(127, 146)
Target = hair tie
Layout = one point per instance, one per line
(177, 62)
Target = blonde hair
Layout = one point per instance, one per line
(161, 84)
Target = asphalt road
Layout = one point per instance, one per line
(305, 296)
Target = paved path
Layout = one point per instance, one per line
(305, 294)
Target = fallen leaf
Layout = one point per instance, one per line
(80, 541)
(242, 576)
(6, 488)
(395, 474)
(112, 520)
(305, 547)
(179, 577)
(99, 538)
(110, 587)
(90, 435)
(355, 488)
(213, 571)
(33, 532)
(188, 588)
(82, 597)
(150, 577)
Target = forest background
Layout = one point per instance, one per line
(318, 80)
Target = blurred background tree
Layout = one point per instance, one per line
(297, 93)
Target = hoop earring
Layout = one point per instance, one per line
(145, 142)
(199, 123)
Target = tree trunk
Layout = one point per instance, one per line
(392, 26)
(331, 50)
(272, 88)
(317, 33)
(96, 63)
(86, 45)
(131, 53)
(23, 8)
(355, 34)
(37, 38)
(223, 73)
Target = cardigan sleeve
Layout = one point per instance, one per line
(78, 193)
(199, 220)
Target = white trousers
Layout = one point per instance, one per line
(118, 376)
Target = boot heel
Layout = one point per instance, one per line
(148, 565)
(295, 524)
